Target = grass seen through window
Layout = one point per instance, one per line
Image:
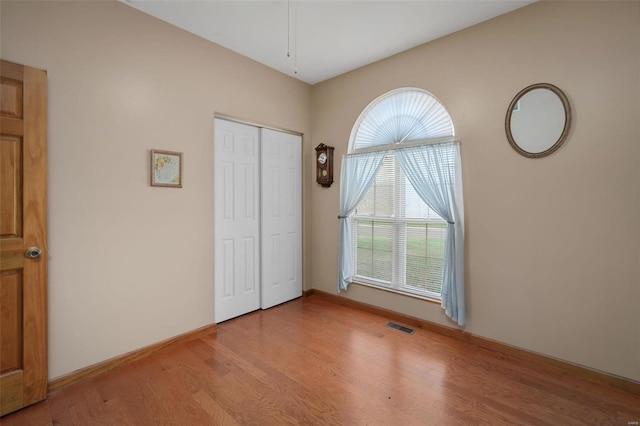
(424, 245)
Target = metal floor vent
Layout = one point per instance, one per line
(400, 328)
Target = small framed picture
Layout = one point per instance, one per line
(166, 168)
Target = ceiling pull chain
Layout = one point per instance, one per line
(295, 39)
(288, 28)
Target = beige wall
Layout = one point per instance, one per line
(131, 265)
(552, 244)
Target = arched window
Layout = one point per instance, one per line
(400, 116)
(401, 204)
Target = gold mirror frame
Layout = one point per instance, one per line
(567, 122)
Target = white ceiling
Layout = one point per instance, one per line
(332, 37)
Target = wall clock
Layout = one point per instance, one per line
(324, 165)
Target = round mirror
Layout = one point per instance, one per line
(538, 120)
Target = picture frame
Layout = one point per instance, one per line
(166, 168)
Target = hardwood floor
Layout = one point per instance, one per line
(313, 362)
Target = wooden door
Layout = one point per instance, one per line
(23, 280)
(236, 219)
(281, 235)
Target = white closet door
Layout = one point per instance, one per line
(281, 217)
(237, 219)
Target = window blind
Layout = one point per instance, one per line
(399, 240)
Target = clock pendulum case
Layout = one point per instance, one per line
(324, 165)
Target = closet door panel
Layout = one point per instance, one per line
(281, 236)
(236, 219)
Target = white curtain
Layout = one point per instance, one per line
(435, 173)
(357, 175)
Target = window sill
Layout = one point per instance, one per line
(403, 293)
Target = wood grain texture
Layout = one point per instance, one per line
(10, 186)
(35, 234)
(577, 370)
(10, 97)
(11, 70)
(23, 174)
(11, 397)
(10, 321)
(11, 254)
(11, 126)
(314, 362)
(38, 414)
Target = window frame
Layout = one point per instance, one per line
(404, 118)
(398, 283)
